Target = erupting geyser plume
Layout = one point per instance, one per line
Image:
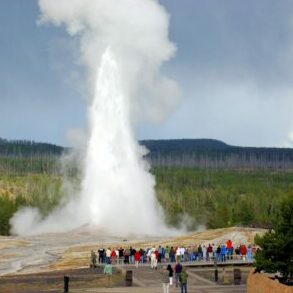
(123, 44)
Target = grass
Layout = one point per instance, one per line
(214, 198)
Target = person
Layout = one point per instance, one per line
(108, 271)
(93, 259)
(209, 252)
(204, 253)
(249, 253)
(120, 255)
(243, 251)
(126, 255)
(154, 260)
(142, 255)
(113, 256)
(167, 253)
(183, 280)
(170, 270)
(160, 253)
(137, 257)
(172, 254)
(101, 253)
(229, 246)
(223, 252)
(218, 252)
(178, 270)
(131, 256)
(199, 252)
(178, 254)
(165, 280)
(108, 255)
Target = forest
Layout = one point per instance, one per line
(199, 194)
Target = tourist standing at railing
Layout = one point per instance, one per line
(194, 253)
(154, 260)
(223, 252)
(148, 253)
(142, 255)
(167, 253)
(137, 258)
(177, 254)
(126, 255)
(199, 252)
(218, 253)
(209, 252)
(160, 251)
(229, 247)
(163, 254)
(214, 248)
(108, 255)
(113, 256)
(204, 252)
(131, 255)
(172, 254)
(243, 251)
(182, 253)
(249, 253)
(93, 259)
(101, 253)
(120, 255)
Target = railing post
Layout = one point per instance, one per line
(66, 284)
(216, 269)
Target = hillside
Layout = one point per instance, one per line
(214, 154)
(26, 148)
(199, 153)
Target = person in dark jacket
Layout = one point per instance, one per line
(178, 270)
(170, 270)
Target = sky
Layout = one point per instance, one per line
(234, 66)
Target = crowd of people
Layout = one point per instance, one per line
(172, 254)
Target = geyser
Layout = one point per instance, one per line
(116, 188)
(122, 44)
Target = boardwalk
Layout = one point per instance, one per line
(147, 280)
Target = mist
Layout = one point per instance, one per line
(122, 46)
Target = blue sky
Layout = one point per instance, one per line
(233, 64)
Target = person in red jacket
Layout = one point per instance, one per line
(229, 247)
(137, 257)
(113, 256)
(243, 251)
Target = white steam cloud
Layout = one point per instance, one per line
(123, 45)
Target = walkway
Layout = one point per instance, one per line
(147, 280)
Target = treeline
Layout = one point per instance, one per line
(26, 148)
(213, 154)
(29, 156)
(22, 157)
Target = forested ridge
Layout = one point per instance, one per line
(194, 153)
(201, 182)
(26, 148)
(214, 154)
